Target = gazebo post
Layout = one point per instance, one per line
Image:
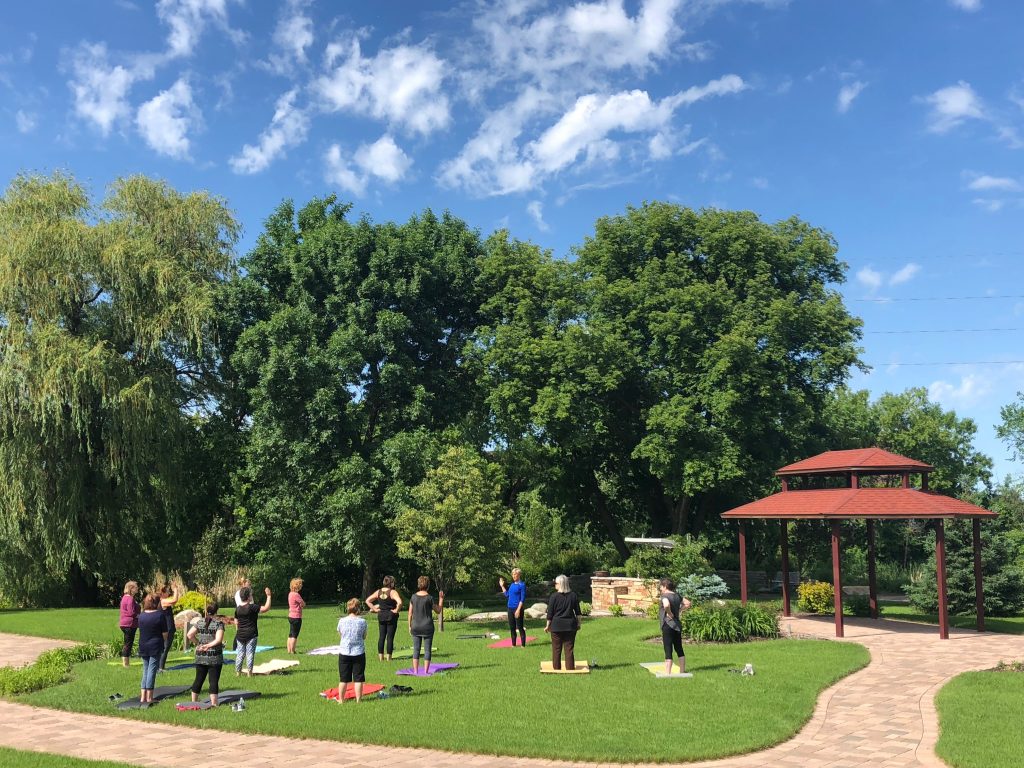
(784, 543)
(743, 562)
(837, 580)
(872, 588)
(979, 593)
(940, 577)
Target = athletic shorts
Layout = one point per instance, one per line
(294, 625)
(352, 669)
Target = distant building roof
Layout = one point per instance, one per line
(846, 503)
(867, 459)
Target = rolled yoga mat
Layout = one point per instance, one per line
(507, 642)
(433, 669)
(331, 694)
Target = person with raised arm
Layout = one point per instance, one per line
(515, 594)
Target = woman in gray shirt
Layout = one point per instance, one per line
(421, 622)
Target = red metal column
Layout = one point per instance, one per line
(784, 542)
(979, 593)
(837, 580)
(743, 562)
(872, 589)
(940, 577)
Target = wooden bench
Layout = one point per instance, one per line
(794, 581)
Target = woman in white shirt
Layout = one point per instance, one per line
(352, 660)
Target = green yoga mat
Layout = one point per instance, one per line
(407, 653)
(138, 662)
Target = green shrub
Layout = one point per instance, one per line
(585, 608)
(619, 570)
(51, 668)
(712, 624)
(685, 558)
(191, 601)
(856, 605)
(756, 620)
(815, 597)
(652, 611)
(454, 613)
(576, 561)
(699, 589)
(615, 610)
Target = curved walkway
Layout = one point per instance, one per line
(882, 716)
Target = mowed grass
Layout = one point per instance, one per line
(496, 702)
(1011, 625)
(980, 716)
(13, 758)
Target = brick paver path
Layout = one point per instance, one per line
(882, 716)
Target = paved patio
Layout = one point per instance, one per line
(882, 716)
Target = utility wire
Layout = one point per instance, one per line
(953, 362)
(943, 298)
(949, 330)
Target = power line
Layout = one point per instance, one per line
(948, 330)
(954, 362)
(944, 298)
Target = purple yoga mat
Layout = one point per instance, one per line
(433, 668)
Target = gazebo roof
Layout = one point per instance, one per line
(846, 503)
(865, 459)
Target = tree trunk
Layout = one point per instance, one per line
(680, 515)
(369, 582)
(605, 516)
(83, 588)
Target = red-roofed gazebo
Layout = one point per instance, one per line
(849, 501)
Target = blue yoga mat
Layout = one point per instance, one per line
(259, 648)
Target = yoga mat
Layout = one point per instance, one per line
(259, 649)
(433, 668)
(406, 653)
(548, 668)
(658, 668)
(331, 694)
(327, 650)
(178, 667)
(138, 662)
(471, 637)
(507, 642)
(160, 692)
(275, 665)
(225, 697)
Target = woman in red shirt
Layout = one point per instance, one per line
(295, 606)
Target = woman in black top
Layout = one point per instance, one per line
(564, 621)
(208, 633)
(386, 603)
(167, 603)
(247, 629)
(670, 611)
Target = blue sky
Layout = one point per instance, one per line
(898, 125)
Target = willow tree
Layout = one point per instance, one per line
(105, 316)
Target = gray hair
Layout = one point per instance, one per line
(562, 583)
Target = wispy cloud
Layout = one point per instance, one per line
(986, 183)
(873, 279)
(905, 274)
(847, 94)
(992, 205)
(536, 210)
(288, 128)
(869, 278)
(966, 5)
(293, 35)
(26, 121)
(970, 390)
(952, 106)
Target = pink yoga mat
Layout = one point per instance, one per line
(507, 642)
(433, 668)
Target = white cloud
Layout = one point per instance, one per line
(383, 159)
(100, 88)
(26, 121)
(188, 20)
(847, 94)
(952, 105)
(493, 162)
(966, 5)
(869, 278)
(989, 204)
(165, 120)
(536, 210)
(292, 36)
(400, 85)
(759, 182)
(904, 274)
(985, 183)
(287, 128)
(971, 389)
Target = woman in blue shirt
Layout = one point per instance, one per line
(516, 594)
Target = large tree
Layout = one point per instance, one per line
(351, 352)
(1011, 429)
(105, 330)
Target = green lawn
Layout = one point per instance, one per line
(1011, 625)
(14, 758)
(980, 716)
(497, 702)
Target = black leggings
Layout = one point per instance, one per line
(167, 649)
(386, 638)
(201, 671)
(129, 641)
(516, 623)
(672, 639)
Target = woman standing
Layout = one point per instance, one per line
(208, 633)
(247, 630)
(167, 603)
(564, 621)
(295, 606)
(670, 611)
(129, 621)
(516, 594)
(152, 636)
(352, 660)
(386, 603)
(421, 622)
